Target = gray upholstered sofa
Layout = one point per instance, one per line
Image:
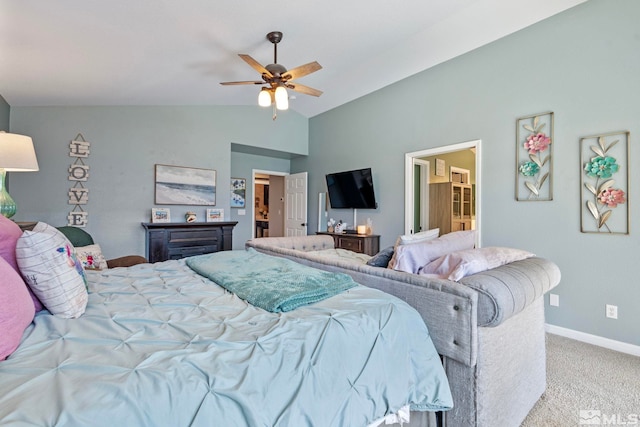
(488, 327)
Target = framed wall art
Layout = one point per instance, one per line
(160, 215)
(238, 192)
(215, 215)
(177, 185)
(604, 183)
(534, 157)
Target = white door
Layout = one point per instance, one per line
(421, 167)
(295, 206)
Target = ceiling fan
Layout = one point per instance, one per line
(278, 78)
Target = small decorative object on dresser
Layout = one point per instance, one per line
(180, 240)
(190, 216)
(160, 215)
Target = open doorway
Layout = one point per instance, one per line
(424, 183)
(268, 210)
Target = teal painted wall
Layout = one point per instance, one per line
(126, 143)
(582, 64)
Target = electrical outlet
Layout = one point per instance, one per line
(611, 311)
(554, 300)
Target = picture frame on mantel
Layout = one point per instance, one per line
(179, 185)
(160, 215)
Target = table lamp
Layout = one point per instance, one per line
(16, 155)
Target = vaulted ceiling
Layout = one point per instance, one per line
(168, 52)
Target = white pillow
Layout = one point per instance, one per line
(411, 258)
(91, 257)
(49, 265)
(418, 237)
(456, 265)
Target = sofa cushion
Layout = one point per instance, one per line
(411, 258)
(16, 309)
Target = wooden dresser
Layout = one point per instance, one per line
(362, 243)
(170, 240)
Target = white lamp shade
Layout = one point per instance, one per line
(282, 98)
(17, 153)
(264, 98)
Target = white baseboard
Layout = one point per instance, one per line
(620, 346)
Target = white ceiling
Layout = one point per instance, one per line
(176, 52)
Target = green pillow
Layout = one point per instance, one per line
(77, 236)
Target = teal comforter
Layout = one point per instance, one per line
(271, 283)
(160, 345)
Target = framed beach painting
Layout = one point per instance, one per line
(177, 185)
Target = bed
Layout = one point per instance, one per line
(162, 345)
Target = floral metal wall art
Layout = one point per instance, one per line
(604, 183)
(534, 159)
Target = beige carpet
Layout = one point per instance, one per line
(587, 385)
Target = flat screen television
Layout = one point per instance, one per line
(351, 189)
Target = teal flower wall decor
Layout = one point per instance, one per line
(601, 193)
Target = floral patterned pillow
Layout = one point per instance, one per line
(91, 257)
(49, 265)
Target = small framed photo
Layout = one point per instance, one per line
(440, 167)
(215, 215)
(160, 215)
(238, 192)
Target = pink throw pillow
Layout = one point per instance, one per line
(16, 309)
(10, 232)
(411, 258)
(456, 265)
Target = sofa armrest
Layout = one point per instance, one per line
(507, 290)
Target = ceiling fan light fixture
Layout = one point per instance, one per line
(264, 97)
(282, 98)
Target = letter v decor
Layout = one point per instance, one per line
(604, 183)
(78, 173)
(534, 157)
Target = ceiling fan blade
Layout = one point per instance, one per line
(249, 82)
(302, 71)
(303, 89)
(254, 64)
